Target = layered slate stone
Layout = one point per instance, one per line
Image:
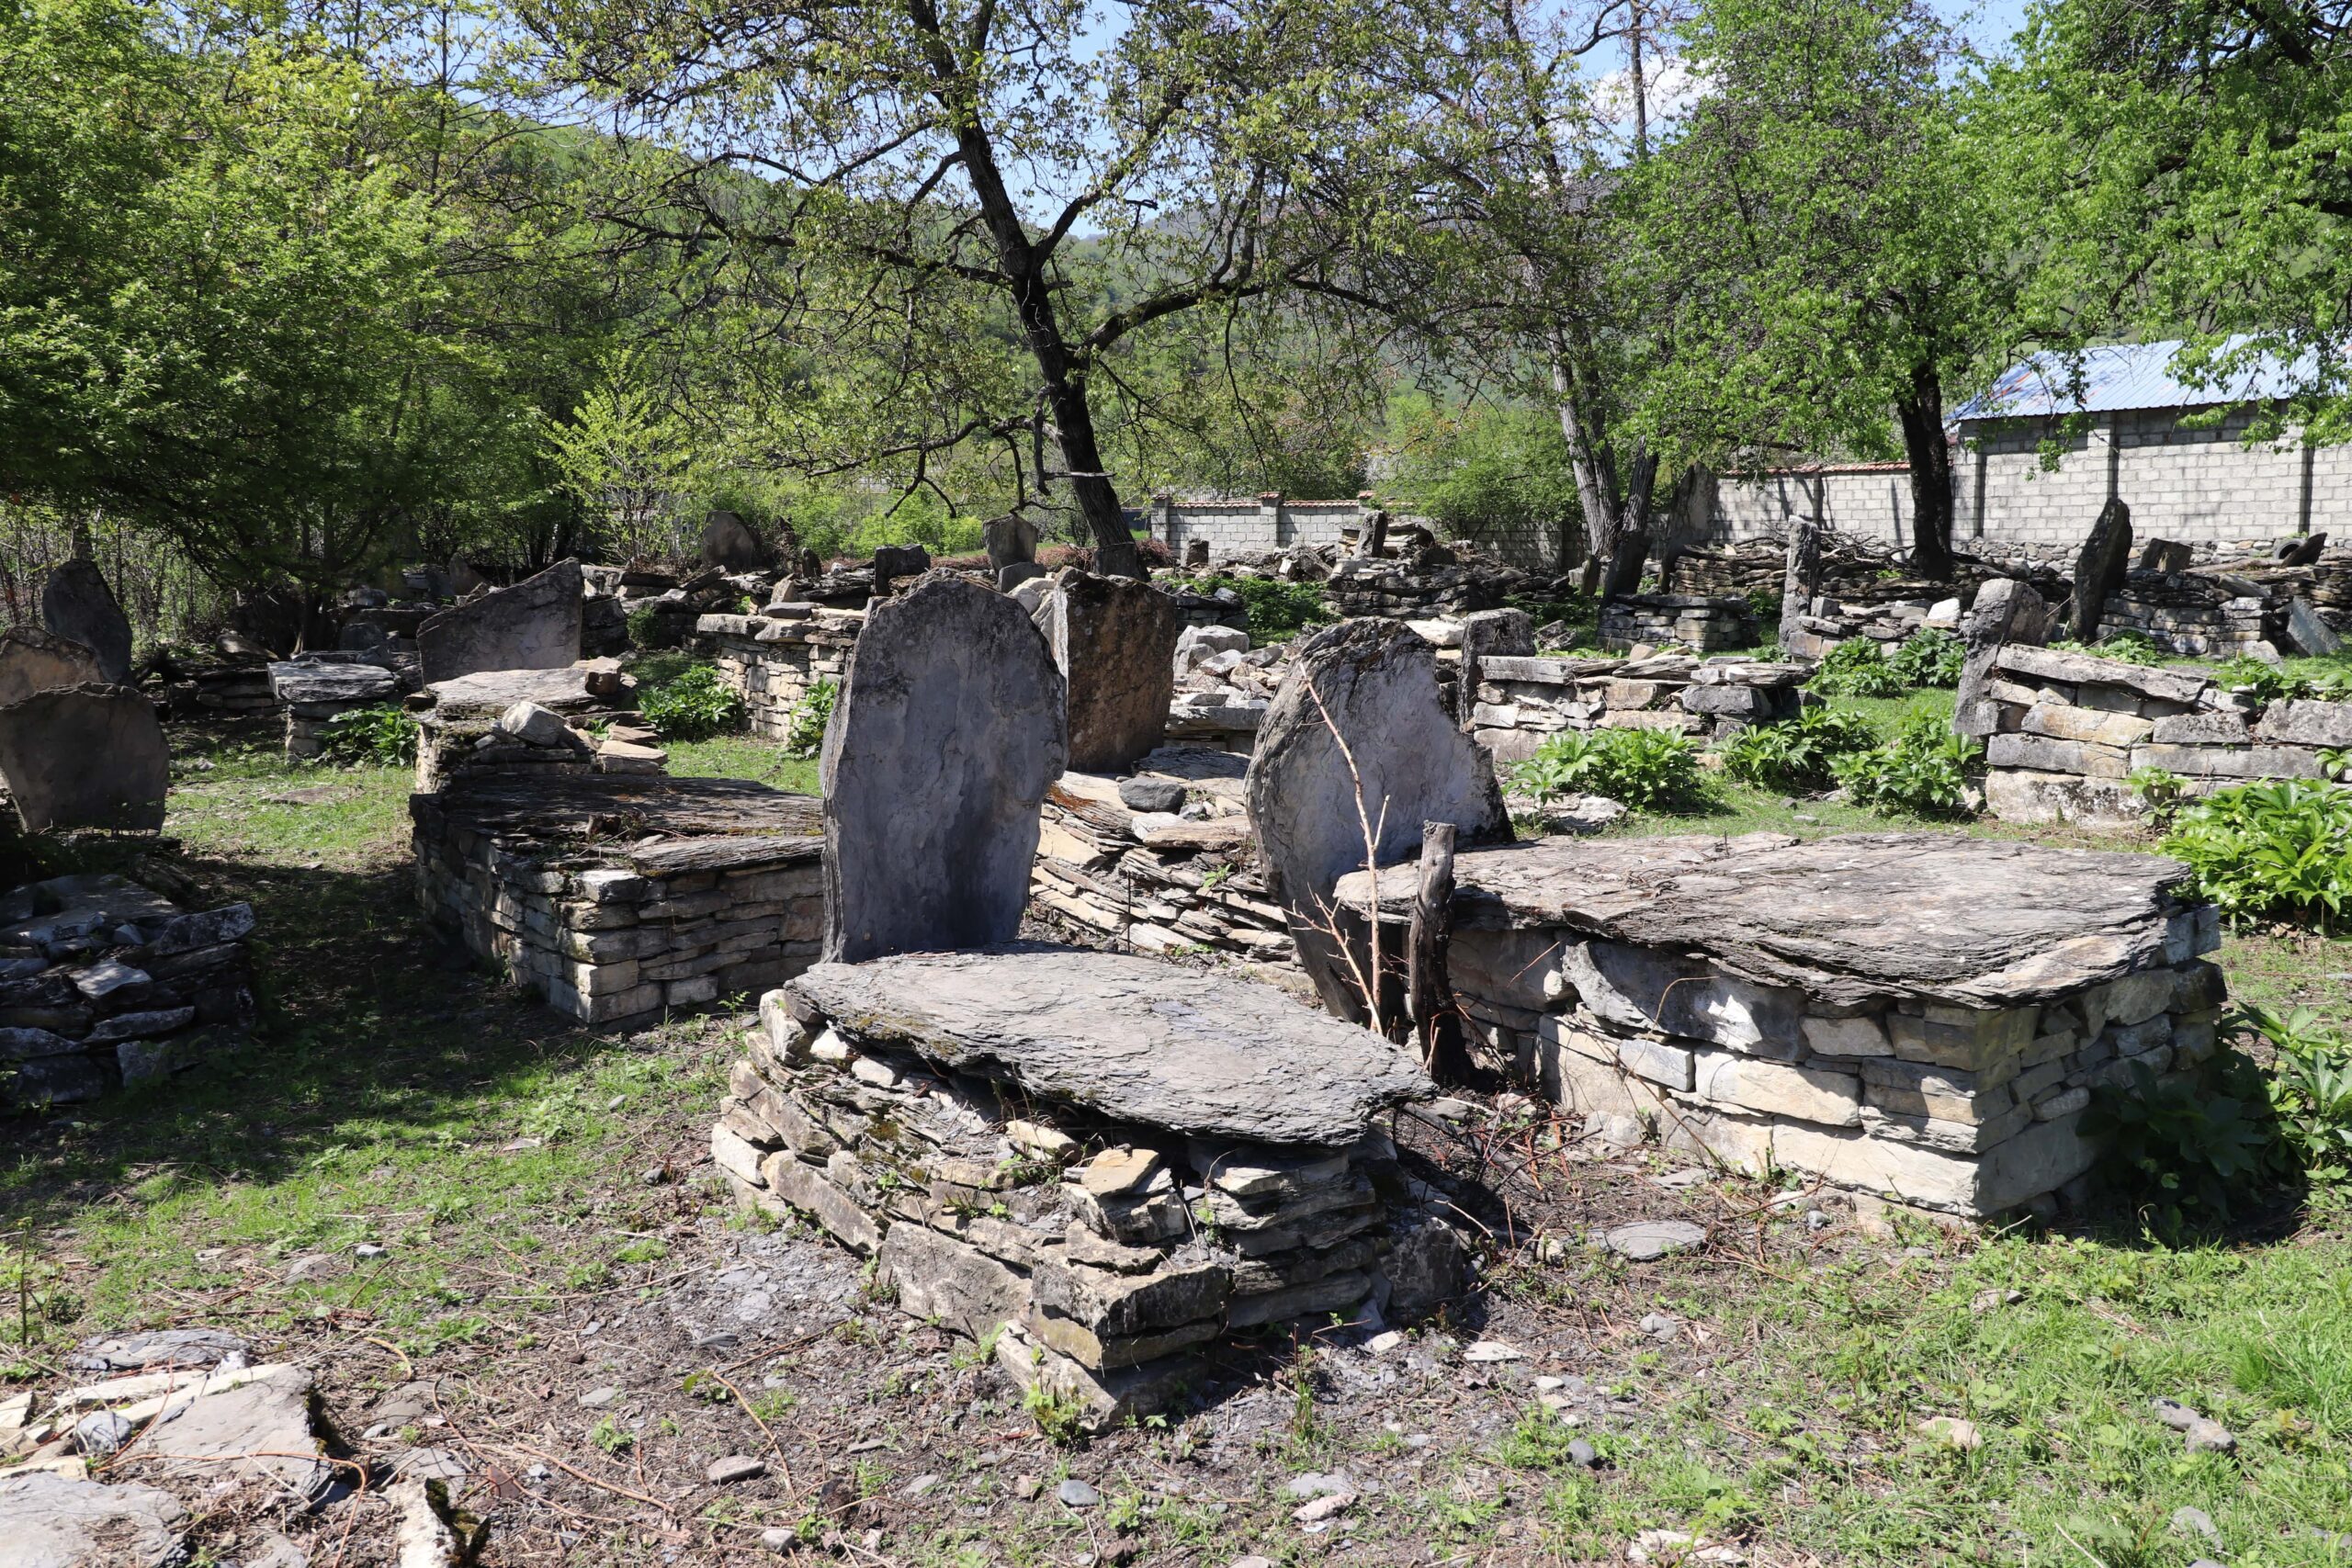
(1128, 1038)
(1114, 639)
(85, 757)
(947, 732)
(1358, 733)
(1905, 1014)
(76, 604)
(533, 625)
(48, 1520)
(35, 661)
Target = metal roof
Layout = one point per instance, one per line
(2122, 377)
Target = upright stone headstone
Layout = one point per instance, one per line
(947, 732)
(533, 625)
(2307, 633)
(1013, 574)
(1011, 540)
(34, 660)
(1801, 578)
(2006, 611)
(727, 541)
(2100, 570)
(1114, 639)
(1500, 634)
(894, 561)
(2167, 556)
(85, 757)
(76, 604)
(1358, 733)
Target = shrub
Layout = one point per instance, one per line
(1648, 770)
(1923, 771)
(811, 715)
(2130, 648)
(1796, 753)
(1277, 610)
(2182, 1146)
(2310, 1090)
(383, 737)
(644, 628)
(2280, 846)
(1929, 657)
(1856, 668)
(694, 706)
(2271, 683)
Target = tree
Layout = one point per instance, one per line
(1485, 471)
(981, 165)
(1828, 207)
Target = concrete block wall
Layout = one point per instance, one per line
(1865, 500)
(1270, 523)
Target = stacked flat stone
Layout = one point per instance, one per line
(1905, 1015)
(2066, 730)
(1707, 624)
(236, 691)
(106, 984)
(1522, 700)
(463, 728)
(1107, 1165)
(1407, 590)
(616, 898)
(1177, 873)
(772, 660)
(317, 690)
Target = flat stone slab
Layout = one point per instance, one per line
(301, 681)
(257, 1430)
(1647, 1240)
(489, 692)
(1129, 1038)
(55, 1521)
(648, 822)
(1856, 919)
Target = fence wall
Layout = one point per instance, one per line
(1271, 522)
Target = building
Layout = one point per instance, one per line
(2187, 479)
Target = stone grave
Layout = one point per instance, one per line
(533, 625)
(34, 660)
(489, 723)
(1358, 738)
(76, 604)
(774, 660)
(729, 542)
(85, 757)
(1114, 639)
(947, 731)
(1912, 1015)
(1108, 1166)
(316, 691)
(1521, 700)
(618, 897)
(103, 983)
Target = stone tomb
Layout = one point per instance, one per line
(774, 660)
(103, 983)
(616, 898)
(1111, 1166)
(488, 723)
(316, 691)
(533, 625)
(1914, 1015)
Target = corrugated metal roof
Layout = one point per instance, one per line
(2123, 376)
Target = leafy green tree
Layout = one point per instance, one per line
(1484, 470)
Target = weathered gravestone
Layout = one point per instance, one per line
(2307, 633)
(1115, 640)
(85, 757)
(533, 625)
(33, 661)
(76, 604)
(2166, 555)
(1011, 540)
(947, 732)
(2100, 570)
(1358, 733)
(1800, 579)
(2006, 611)
(894, 561)
(1495, 633)
(728, 542)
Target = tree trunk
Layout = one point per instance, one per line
(1115, 545)
(1592, 463)
(1922, 416)
(1632, 549)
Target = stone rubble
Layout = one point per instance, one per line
(1704, 624)
(1521, 700)
(105, 984)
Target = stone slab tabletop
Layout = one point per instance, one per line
(492, 692)
(1128, 1038)
(653, 823)
(1855, 918)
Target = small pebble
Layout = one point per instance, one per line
(597, 1398)
(2197, 1522)
(366, 1250)
(734, 1468)
(921, 1484)
(1077, 1494)
(1026, 1487)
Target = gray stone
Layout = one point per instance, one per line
(2306, 722)
(1077, 1494)
(2195, 1522)
(894, 561)
(2006, 611)
(489, 692)
(76, 604)
(1114, 639)
(85, 757)
(304, 681)
(35, 661)
(1647, 1240)
(1851, 920)
(947, 733)
(1428, 1265)
(1357, 735)
(537, 725)
(1151, 795)
(533, 625)
(1128, 1038)
(2090, 670)
(940, 1280)
(55, 1521)
(209, 928)
(1009, 540)
(1196, 644)
(2102, 566)
(2204, 1434)
(1799, 576)
(2307, 633)
(728, 542)
(1011, 576)
(2219, 728)
(734, 1468)
(100, 1433)
(156, 1348)
(258, 1430)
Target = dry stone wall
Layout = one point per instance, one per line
(1521, 700)
(773, 659)
(1709, 625)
